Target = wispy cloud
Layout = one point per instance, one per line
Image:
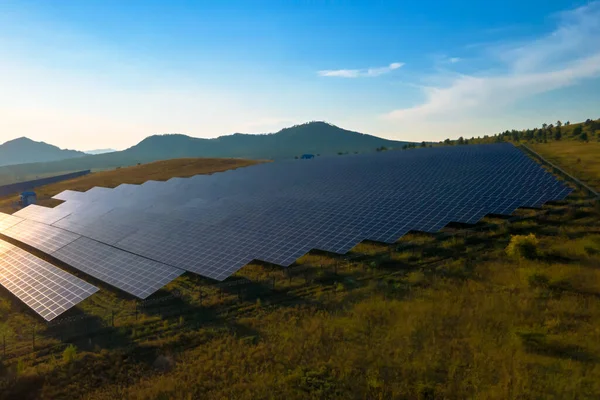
(453, 60)
(358, 73)
(565, 57)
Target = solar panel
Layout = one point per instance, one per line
(43, 237)
(45, 215)
(46, 289)
(68, 195)
(131, 273)
(8, 220)
(212, 225)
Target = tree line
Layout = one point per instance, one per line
(584, 131)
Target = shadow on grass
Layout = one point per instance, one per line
(538, 343)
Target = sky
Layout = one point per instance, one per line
(106, 74)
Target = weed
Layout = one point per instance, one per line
(525, 246)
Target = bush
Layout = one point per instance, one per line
(70, 354)
(525, 246)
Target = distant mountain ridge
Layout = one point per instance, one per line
(23, 150)
(313, 137)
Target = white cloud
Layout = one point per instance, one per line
(453, 60)
(358, 73)
(567, 56)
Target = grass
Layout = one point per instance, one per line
(580, 159)
(159, 171)
(450, 318)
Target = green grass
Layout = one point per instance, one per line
(451, 318)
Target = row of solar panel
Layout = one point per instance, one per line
(276, 212)
(131, 273)
(46, 289)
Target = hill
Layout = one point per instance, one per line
(585, 132)
(314, 137)
(24, 150)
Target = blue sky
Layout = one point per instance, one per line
(96, 74)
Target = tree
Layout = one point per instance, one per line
(558, 123)
(544, 126)
(567, 123)
(529, 134)
(583, 137)
(461, 140)
(557, 134)
(577, 131)
(423, 144)
(447, 141)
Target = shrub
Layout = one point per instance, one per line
(70, 354)
(416, 278)
(525, 246)
(538, 280)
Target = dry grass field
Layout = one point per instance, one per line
(453, 318)
(159, 171)
(580, 159)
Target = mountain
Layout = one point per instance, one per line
(24, 150)
(100, 151)
(313, 138)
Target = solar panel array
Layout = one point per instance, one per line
(131, 273)
(48, 290)
(213, 225)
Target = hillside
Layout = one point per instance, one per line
(315, 137)
(582, 159)
(585, 132)
(24, 150)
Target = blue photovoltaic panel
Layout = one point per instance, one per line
(213, 225)
(131, 273)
